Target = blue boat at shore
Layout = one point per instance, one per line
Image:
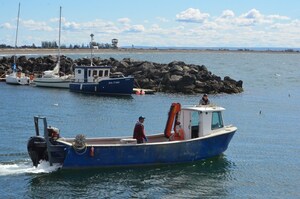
(191, 133)
(98, 80)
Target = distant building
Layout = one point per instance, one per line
(114, 43)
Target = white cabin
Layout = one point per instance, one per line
(201, 120)
(91, 73)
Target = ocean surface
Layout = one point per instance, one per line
(262, 161)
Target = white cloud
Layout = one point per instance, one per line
(252, 14)
(227, 14)
(162, 19)
(155, 27)
(6, 26)
(135, 28)
(36, 26)
(96, 26)
(250, 18)
(57, 19)
(124, 20)
(192, 15)
(254, 17)
(71, 26)
(278, 17)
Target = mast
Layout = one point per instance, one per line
(56, 69)
(16, 40)
(92, 46)
(59, 35)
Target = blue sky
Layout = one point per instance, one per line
(157, 23)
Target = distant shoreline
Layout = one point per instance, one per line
(39, 51)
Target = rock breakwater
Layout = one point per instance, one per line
(174, 77)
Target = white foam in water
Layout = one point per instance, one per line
(13, 169)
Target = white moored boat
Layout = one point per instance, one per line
(15, 77)
(52, 78)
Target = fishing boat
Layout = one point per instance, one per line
(15, 77)
(99, 80)
(54, 78)
(192, 133)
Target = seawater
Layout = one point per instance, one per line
(262, 160)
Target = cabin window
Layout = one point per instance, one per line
(100, 73)
(89, 73)
(106, 73)
(79, 71)
(195, 124)
(94, 73)
(217, 121)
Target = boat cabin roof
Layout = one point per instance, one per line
(203, 108)
(93, 67)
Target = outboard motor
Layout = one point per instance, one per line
(37, 149)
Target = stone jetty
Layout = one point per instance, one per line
(174, 77)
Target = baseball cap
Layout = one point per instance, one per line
(141, 117)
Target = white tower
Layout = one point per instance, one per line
(114, 43)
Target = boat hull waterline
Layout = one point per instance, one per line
(53, 82)
(111, 86)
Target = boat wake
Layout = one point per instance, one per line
(27, 168)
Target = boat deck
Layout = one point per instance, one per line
(115, 140)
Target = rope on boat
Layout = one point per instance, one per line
(79, 144)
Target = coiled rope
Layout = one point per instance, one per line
(79, 144)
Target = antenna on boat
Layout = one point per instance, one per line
(16, 41)
(91, 45)
(59, 35)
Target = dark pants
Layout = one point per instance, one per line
(140, 141)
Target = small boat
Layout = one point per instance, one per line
(15, 77)
(202, 135)
(53, 78)
(99, 80)
(143, 91)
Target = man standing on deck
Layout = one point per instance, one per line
(139, 131)
(204, 100)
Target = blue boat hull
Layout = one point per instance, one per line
(148, 154)
(112, 86)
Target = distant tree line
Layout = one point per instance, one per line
(53, 44)
(49, 44)
(24, 46)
